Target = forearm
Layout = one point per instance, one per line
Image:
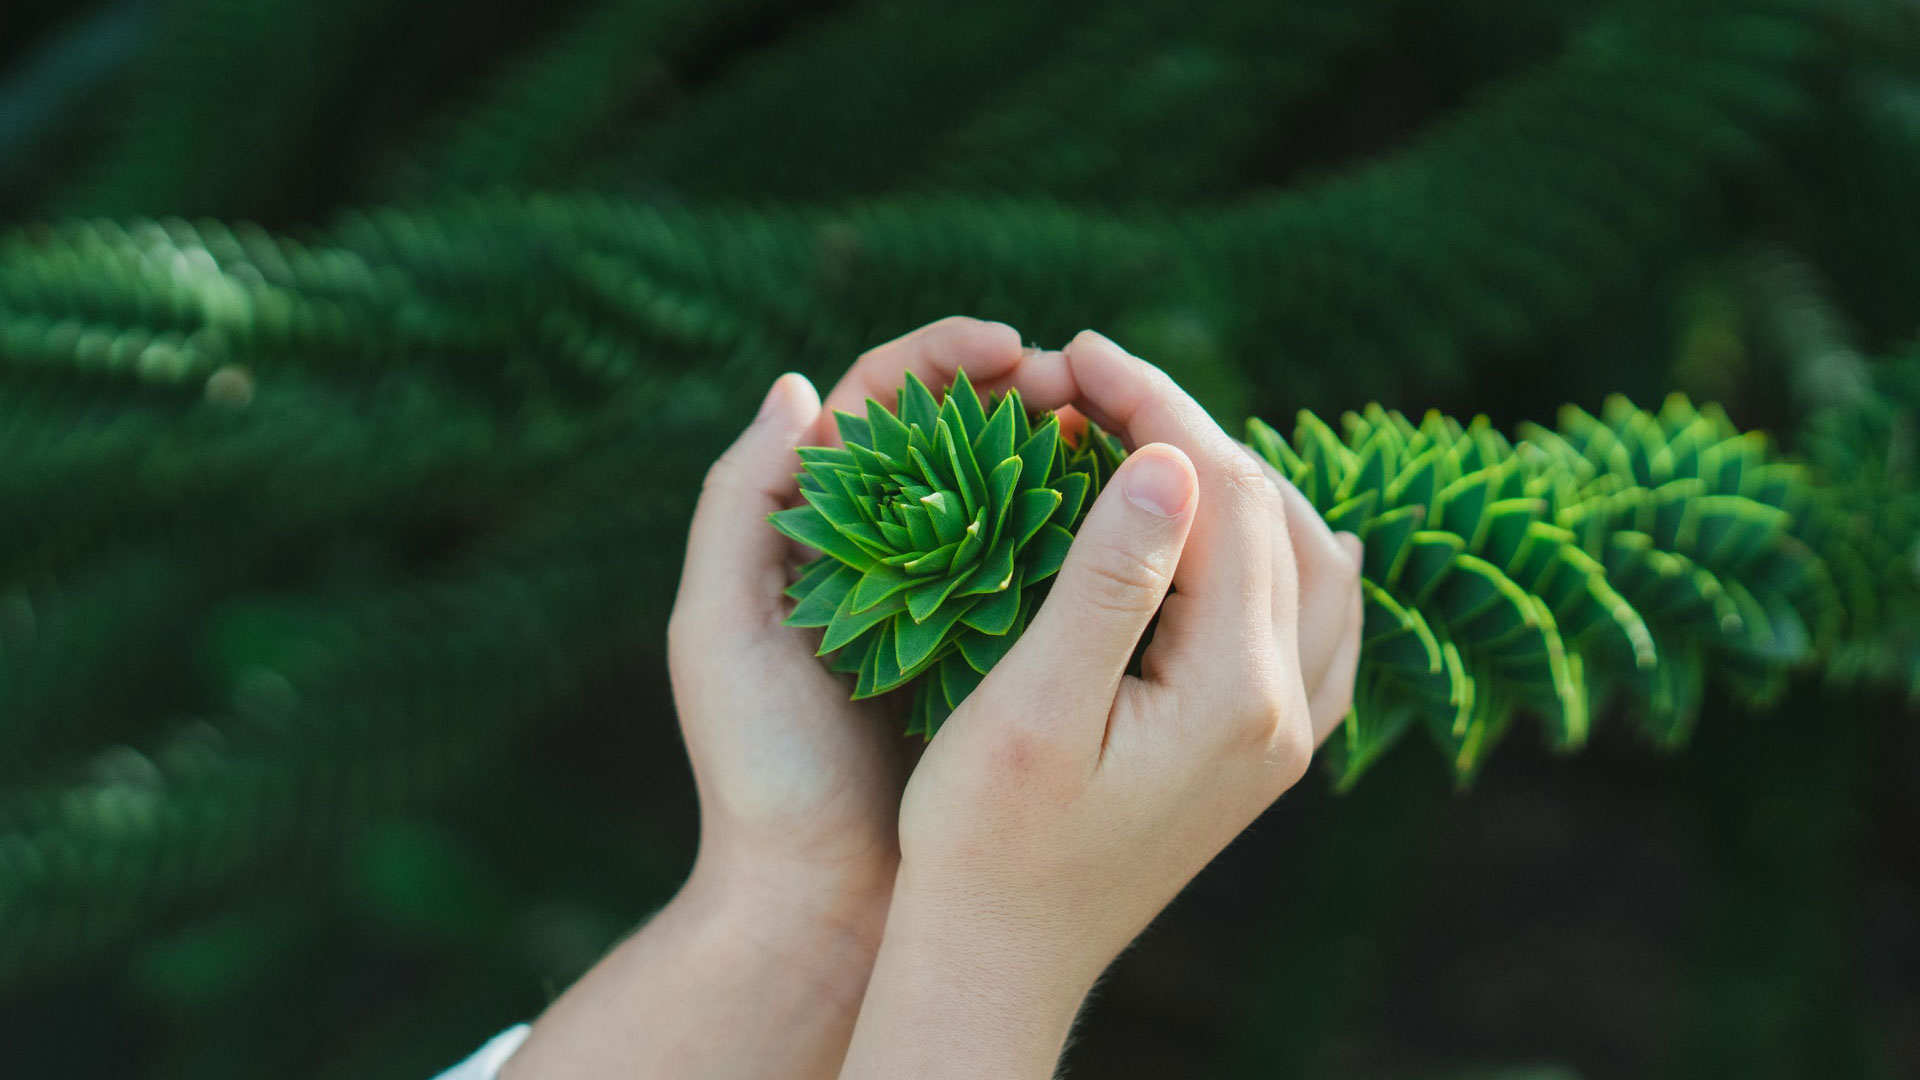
(729, 980)
(970, 997)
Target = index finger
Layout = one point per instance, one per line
(990, 352)
(1230, 576)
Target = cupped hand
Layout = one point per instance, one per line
(758, 966)
(1066, 802)
(799, 787)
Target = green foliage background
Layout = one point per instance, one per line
(358, 362)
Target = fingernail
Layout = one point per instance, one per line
(774, 394)
(1158, 484)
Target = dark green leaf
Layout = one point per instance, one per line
(967, 406)
(1031, 509)
(876, 585)
(1044, 556)
(819, 602)
(1037, 454)
(917, 406)
(917, 642)
(853, 429)
(804, 523)
(889, 434)
(848, 624)
(995, 614)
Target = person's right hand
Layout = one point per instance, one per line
(1066, 802)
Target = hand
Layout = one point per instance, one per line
(799, 787)
(757, 967)
(1066, 802)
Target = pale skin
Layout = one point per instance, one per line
(845, 920)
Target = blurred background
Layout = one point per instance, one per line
(359, 360)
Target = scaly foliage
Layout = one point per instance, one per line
(1631, 552)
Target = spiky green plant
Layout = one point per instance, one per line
(940, 524)
(1623, 556)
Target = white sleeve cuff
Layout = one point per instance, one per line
(485, 1064)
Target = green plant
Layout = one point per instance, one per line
(347, 506)
(941, 524)
(1620, 556)
(1624, 554)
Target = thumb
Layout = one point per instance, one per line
(1117, 572)
(736, 562)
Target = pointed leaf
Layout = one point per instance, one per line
(918, 642)
(889, 434)
(966, 402)
(1073, 488)
(837, 509)
(811, 575)
(1001, 485)
(818, 604)
(995, 444)
(876, 585)
(966, 471)
(804, 523)
(982, 651)
(949, 519)
(1037, 453)
(917, 406)
(920, 526)
(933, 562)
(1046, 553)
(848, 624)
(927, 597)
(995, 571)
(957, 680)
(833, 457)
(995, 614)
(886, 665)
(1031, 509)
(853, 429)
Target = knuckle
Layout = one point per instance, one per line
(1275, 718)
(1286, 738)
(1261, 704)
(1242, 475)
(722, 476)
(1340, 577)
(1118, 580)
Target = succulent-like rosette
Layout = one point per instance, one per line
(940, 523)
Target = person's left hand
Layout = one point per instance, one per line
(799, 787)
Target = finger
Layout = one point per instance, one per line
(1331, 699)
(737, 563)
(1116, 574)
(1045, 380)
(1230, 575)
(1328, 571)
(988, 351)
(1072, 424)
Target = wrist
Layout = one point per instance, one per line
(960, 989)
(793, 956)
(823, 926)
